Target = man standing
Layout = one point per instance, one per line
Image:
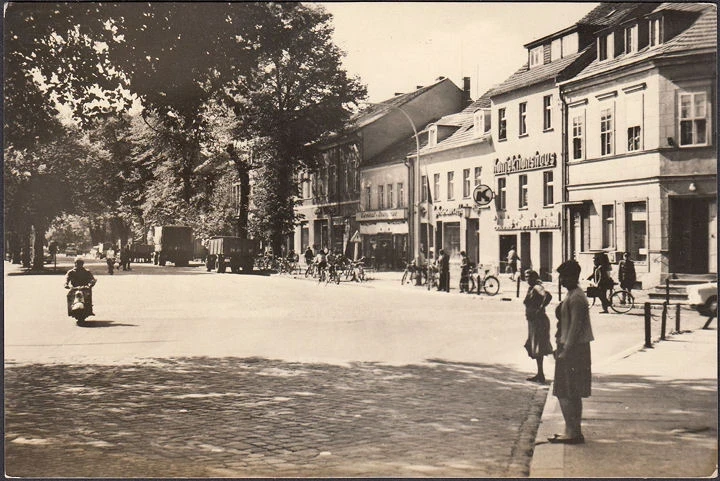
(572, 366)
(512, 260)
(626, 274)
(444, 265)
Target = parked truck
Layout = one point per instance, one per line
(173, 243)
(235, 252)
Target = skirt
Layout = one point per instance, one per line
(538, 341)
(573, 376)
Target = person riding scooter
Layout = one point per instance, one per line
(79, 277)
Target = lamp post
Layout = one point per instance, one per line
(414, 214)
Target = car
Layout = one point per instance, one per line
(703, 298)
(71, 250)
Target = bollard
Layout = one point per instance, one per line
(667, 290)
(648, 343)
(663, 324)
(517, 293)
(677, 318)
(559, 291)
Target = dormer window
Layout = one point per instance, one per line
(481, 122)
(432, 136)
(656, 31)
(631, 39)
(536, 56)
(605, 46)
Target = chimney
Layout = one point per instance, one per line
(466, 100)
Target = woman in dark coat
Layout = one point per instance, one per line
(538, 341)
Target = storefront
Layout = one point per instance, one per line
(384, 238)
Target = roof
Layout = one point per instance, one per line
(396, 153)
(526, 77)
(607, 14)
(682, 7)
(699, 37)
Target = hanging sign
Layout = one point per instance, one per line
(483, 195)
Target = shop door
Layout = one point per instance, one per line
(304, 237)
(471, 240)
(546, 260)
(507, 242)
(689, 232)
(525, 260)
(384, 251)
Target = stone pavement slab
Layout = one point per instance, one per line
(652, 413)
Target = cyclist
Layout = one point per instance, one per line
(601, 278)
(321, 261)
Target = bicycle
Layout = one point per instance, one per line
(332, 275)
(311, 270)
(490, 284)
(411, 273)
(621, 300)
(432, 277)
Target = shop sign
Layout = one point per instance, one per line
(448, 211)
(395, 214)
(521, 222)
(518, 164)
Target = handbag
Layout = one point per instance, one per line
(592, 291)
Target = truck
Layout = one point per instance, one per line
(235, 252)
(173, 243)
(141, 252)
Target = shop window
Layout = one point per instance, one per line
(606, 131)
(390, 199)
(502, 193)
(478, 171)
(502, 125)
(655, 31)
(636, 230)
(693, 119)
(547, 112)
(401, 192)
(577, 136)
(424, 188)
(522, 118)
(608, 226)
(466, 183)
(451, 185)
(368, 198)
(633, 138)
(436, 186)
(523, 191)
(381, 197)
(548, 188)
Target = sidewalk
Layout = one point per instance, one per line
(652, 413)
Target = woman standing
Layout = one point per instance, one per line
(538, 342)
(464, 272)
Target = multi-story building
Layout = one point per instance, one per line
(640, 143)
(331, 195)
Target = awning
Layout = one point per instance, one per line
(574, 202)
(383, 228)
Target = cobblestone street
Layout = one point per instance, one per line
(230, 417)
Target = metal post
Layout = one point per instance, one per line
(518, 287)
(677, 318)
(663, 324)
(559, 291)
(648, 342)
(667, 290)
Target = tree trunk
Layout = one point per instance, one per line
(243, 208)
(25, 249)
(38, 244)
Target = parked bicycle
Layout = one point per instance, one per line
(432, 277)
(489, 283)
(621, 300)
(412, 272)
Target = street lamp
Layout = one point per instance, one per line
(414, 213)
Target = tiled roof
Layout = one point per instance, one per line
(608, 13)
(682, 7)
(701, 35)
(396, 153)
(526, 77)
(483, 102)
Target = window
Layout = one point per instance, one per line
(436, 186)
(381, 197)
(636, 230)
(478, 171)
(368, 198)
(536, 56)
(424, 189)
(432, 136)
(606, 131)
(605, 46)
(390, 200)
(466, 183)
(481, 122)
(522, 120)
(332, 179)
(548, 191)
(633, 138)
(451, 185)
(547, 112)
(577, 136)
(502, 125)
(608, 226)
(656, 31)
(502, 193)
(556, 49)
(631, 39)
(401, 192)
(522, 191)
(693, 118)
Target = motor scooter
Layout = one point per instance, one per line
(79, 303)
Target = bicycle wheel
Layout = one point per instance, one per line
(491, 285)
(309, 271)
(621, 302)
(405, 276)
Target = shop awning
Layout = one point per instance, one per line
(383, 228)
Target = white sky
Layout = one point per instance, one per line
(394, 47)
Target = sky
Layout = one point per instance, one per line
(397, 46)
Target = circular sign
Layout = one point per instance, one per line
(483, 195)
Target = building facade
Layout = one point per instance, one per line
(642, 158)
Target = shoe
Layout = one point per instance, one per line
(534, 378)
(604, 312)
(537, 379)
(561, 439)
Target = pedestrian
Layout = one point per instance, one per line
(420, 267)
(125, 258)
(601, 279)
(538, 341)
(309, 255)
(626, 274)
(444, 266)
(572, 358)
(464, 272)
(512, 262)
